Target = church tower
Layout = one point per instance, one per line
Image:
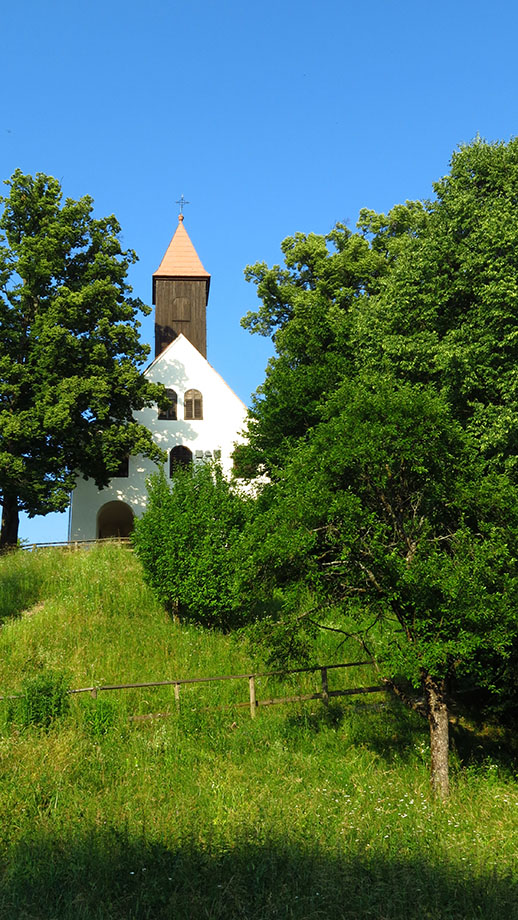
(204, 419)
(180, 294)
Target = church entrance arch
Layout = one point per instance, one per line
(114, 519)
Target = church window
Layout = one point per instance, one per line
(193, 405)
(170, 412)
(179, 456)
(123, 470)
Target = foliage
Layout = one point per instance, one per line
(308, 308)
(45, 699)
(312, 308)
(383, 511)
(188, 543)
(395, 494)
(448, 313)
(69, 350)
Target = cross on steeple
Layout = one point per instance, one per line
(181, 201)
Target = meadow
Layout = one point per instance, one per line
(304, 812)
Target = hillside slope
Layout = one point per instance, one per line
(301, 813)
(91, 613)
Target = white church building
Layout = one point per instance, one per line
(204, 418)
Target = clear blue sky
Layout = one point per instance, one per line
(270, 118)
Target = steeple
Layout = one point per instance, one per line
(180, 294)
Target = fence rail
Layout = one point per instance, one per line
(253, 702)
(76, 544)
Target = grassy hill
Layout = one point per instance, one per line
(301, 813)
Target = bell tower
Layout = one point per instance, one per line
(181, 294)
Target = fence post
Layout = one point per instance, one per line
(325, 688)
(253, 701)
(177, 695)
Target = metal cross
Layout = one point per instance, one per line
(181, 201)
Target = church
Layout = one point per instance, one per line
(204, 418)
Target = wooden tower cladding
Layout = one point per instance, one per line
(180, 294)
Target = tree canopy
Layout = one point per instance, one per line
(69, 350)
(448, 314)
(388, 424)
(307, 308)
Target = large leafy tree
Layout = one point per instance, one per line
(386, 518)
(69, 350)
(448, 314)
(396, 497)
(308, 308)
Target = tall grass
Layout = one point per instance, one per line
(304, 812)
(92, 612)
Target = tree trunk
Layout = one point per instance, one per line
(10, 521)
(437, 713)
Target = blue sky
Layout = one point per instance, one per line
(270, 118)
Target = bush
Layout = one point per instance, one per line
(44, 700)
(188, 541)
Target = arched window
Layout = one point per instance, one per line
(123, 471)
(170, 412)
(179, 456)
(193, 405)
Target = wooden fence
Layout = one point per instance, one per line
(77, 544)
(253, 702)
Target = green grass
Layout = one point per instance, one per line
(302, 813)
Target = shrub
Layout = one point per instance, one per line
(44, 700)
(188, 542)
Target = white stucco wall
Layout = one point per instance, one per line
(180, 367)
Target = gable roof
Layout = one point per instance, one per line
(182, 344)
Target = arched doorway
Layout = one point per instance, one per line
(114, 519)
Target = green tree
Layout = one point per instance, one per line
(386, 517)
(188, 542)
(309, 309)
(396, 496)
(448, 313)
(69, 351)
